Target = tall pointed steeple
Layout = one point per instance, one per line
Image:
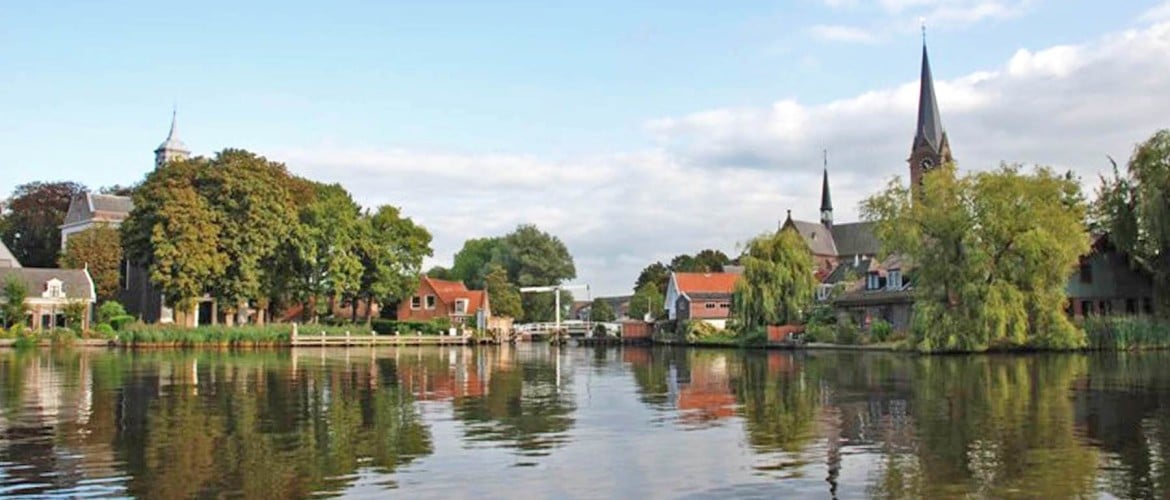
(172, 148)
(826, 199)
(931, 147)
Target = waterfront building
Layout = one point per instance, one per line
(50, 291)
(435, 299)
(700, 296)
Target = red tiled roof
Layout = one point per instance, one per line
(448, 291)
(706, 282)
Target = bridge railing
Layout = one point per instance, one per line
(572, 327)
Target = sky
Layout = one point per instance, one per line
(633, 131)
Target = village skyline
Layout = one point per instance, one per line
(659, 185)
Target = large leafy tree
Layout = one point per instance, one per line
(777, 282)
(174, 231)
(392, 249)
(255, 212)
(600, 310)
(31, 227)
(504, 296)
(647, 298)
(471, 262)
(656, 274)
(993, 252)
(535, 258)
(98, 249)
(329, 260)
(1135, 208)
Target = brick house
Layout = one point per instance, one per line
(437, 298)
(700, 296)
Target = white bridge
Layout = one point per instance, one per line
(574, 328)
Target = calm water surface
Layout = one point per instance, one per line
(533, 421)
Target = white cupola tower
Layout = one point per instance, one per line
(172, 148)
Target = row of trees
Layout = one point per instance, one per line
(239, 227)
(501, 265)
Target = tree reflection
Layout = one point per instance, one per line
(526, 405)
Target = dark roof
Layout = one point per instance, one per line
(6, 257)
(818, 237)
(826, 200)
(847, 271)
(930, 129)
(75, 282)
(104, 207)
(855, 238)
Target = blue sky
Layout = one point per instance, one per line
(594, 97)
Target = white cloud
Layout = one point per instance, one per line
(1157, 13)
(716, 177)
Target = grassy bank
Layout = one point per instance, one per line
(1123, 333)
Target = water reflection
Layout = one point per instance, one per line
(172, 424)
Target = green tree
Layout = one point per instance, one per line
(330, 262)
(392, 250)
(777, 282)
(657, 274)
(440, 273)
(684, 264)
(98, 249)
(255, 214)
(174, 232)
(31, 228)
(471, 262)
(601, 310)
(647, 298)
(504, 297)
(1134, 208)
(711, 261)
(993, 252)
(14, 307)
(535, 258)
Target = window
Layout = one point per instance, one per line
(894, 279)
(709, 305)
(873, 281)
(430, 301)
(1086, 308)
(1130, 306)
(725, 305)
(823, 291)
(461, 306)
(416, 302)
(1086, 273)
(54, 289)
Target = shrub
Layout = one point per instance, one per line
(1126, 332)
(820, 332)
(109, 310)
(880, 330)
(105, 331)
(848, 333)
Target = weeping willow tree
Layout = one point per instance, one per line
(1135, 208)
(777, 283)
(992, 253)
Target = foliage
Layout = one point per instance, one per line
(657, 274)
(1135, 209)
(504, 296)
(14, 308)
(880, 330)
(992, 254)
(109, 310)
(74, 312)
(706, 261)
(600, 310)
(472, 262)
(392, 249)
(217, 335)
(1120, 333)
(647, 298)
(777, 283)
(104, 330)
(440, 272)
(31, 228)
(848, 333)
(328, 235)
(174, 231)
(98, 249)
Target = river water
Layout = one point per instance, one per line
(533, 421)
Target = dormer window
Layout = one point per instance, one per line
(823, 291)
(461, 306)
(873, 281)
(54, 289)
(894, 279)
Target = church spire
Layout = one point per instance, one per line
(826, 199)
(172, 148)
(931, 147)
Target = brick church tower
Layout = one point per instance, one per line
(931, 148)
